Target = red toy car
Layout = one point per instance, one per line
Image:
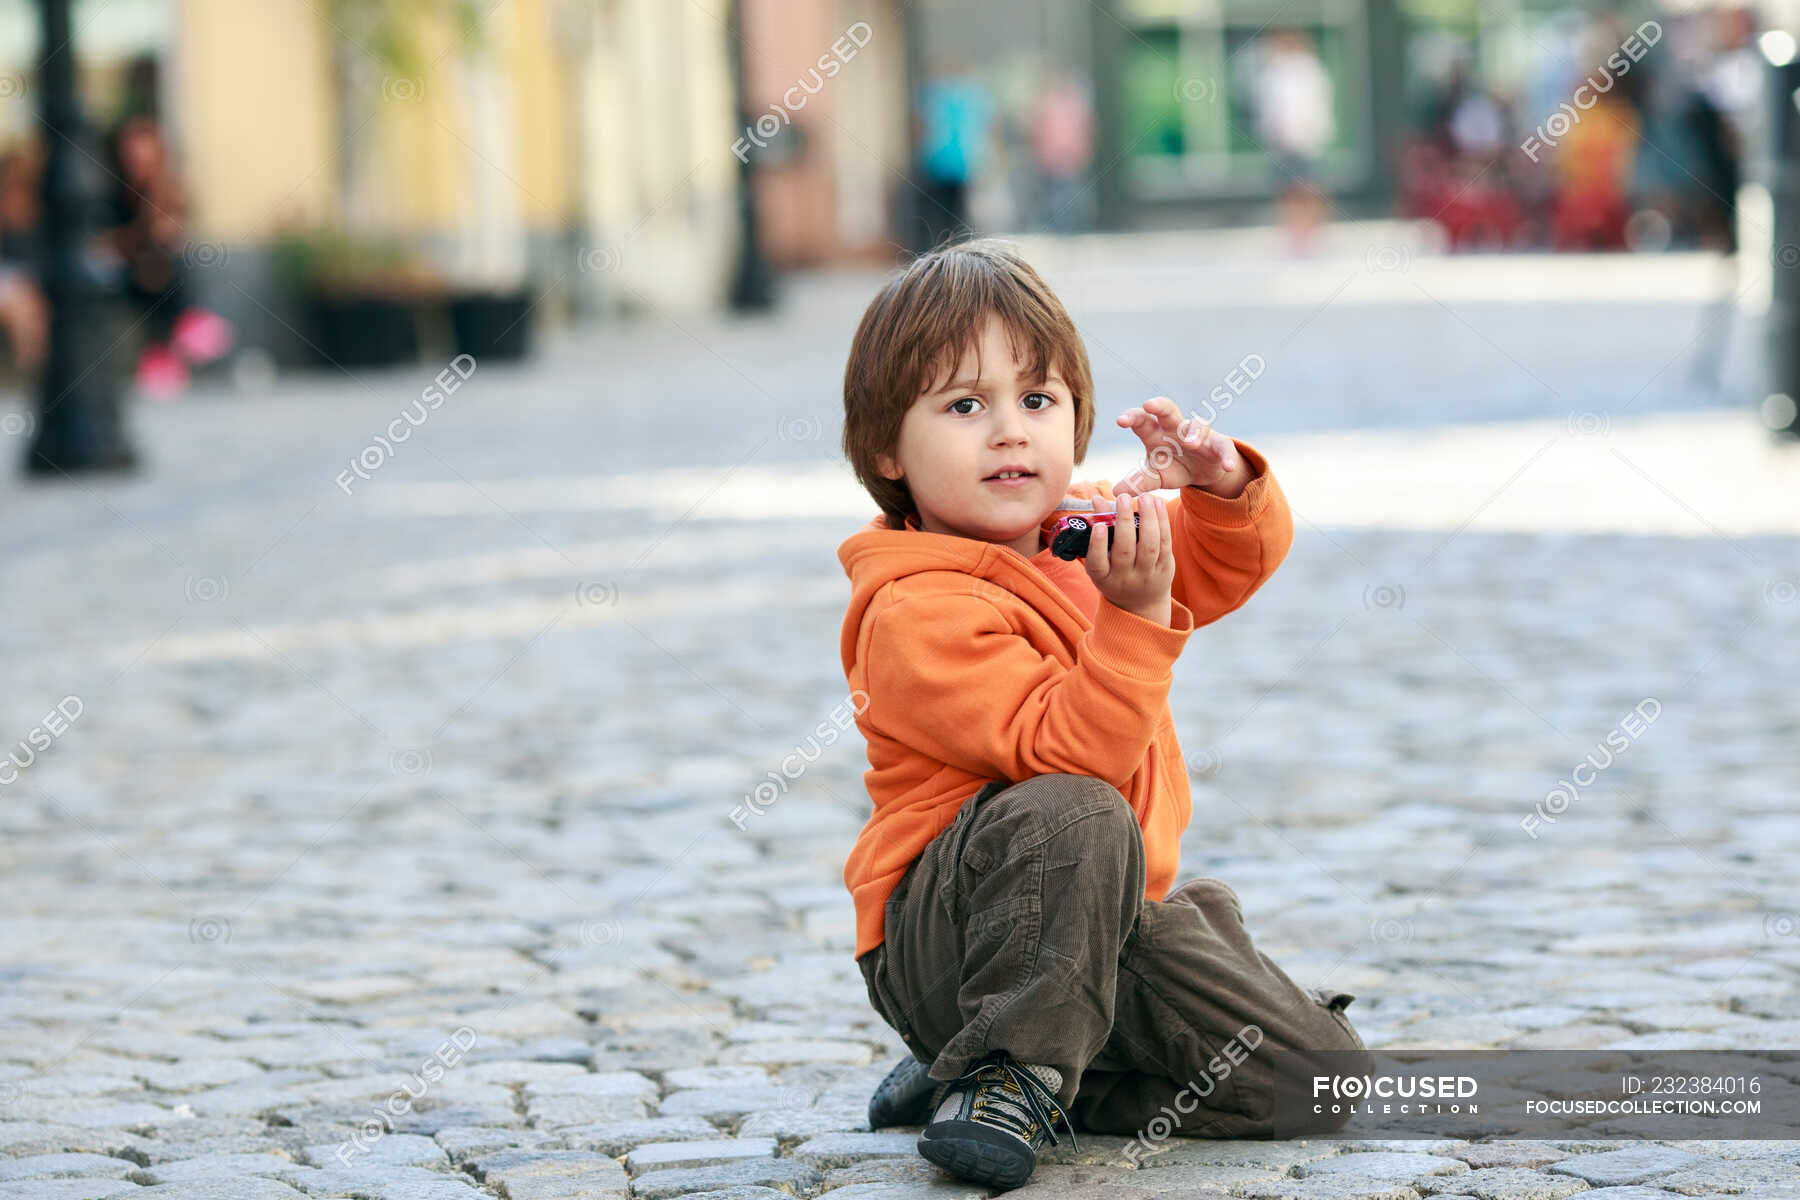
(1069, 540)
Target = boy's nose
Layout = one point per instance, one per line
(1009, 428)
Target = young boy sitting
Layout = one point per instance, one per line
(1014, 920)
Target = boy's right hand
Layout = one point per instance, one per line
(1139, 572)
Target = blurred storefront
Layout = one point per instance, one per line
(1180, 89)
(579, 151)
(829, 77)
(1188, 72)
(1173, 93)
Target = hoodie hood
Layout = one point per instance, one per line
(876, 556)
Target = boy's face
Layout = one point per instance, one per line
(954, 439)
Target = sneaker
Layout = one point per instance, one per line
(987, 1126)
(904, 1097)
(160, 373)
(202, 336)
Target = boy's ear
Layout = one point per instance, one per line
(886, 465)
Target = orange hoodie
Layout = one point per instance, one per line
(980, 664)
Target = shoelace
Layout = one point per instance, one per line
(1001, 1109)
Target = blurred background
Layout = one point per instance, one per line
(298, 184)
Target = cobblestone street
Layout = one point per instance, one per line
(387, 833)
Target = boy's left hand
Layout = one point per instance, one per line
(1181, 452)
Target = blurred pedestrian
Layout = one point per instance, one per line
(1294, 119)
(149, 212)
(149, 209)
(24, 311)
(1595, 161)
(1062, 145)
(955, 130)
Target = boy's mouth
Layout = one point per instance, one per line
(1010, 475)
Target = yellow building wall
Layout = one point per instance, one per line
(257, 115)
(544, 105)
(260, 125)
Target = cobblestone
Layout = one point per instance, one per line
(404, 819)
(1385, 1165)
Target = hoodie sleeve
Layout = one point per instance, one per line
(1225, 549)
(948, 676)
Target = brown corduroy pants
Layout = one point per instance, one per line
(1023, 926)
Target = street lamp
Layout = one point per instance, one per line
(80, 426)
(752, 282)
(1781, 406)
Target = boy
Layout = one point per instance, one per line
(1029, 792)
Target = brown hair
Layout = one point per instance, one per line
(918, 328)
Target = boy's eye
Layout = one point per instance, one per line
(1046, 396)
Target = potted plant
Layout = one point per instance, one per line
(488, 303)
(362, 295)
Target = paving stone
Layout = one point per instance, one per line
(717, 1103)
(1505, 1183)
(203, 1136)
(512, 1072)
(1634, 1165)
(685, 1078)
(1384, 1165)
(263, 1093)
(774, 1172)
(662, 1156)
(1209, 1177)
(801, 1123)
(49, 1166)
(1271, 1155)
(842, 1149)
(378, 1183)
(884, 1170)
(1109, 1151)
(386, 1150)
(248, 1188)
(1508, 1154)
(212, 1168)
(1731, 1175)
(430, 1121)
(617, 1137)
(73, 1083)
(1741, 1148)
(71, 1189)
(1394, 1145)
(1112, 1183)
(1337, 1187)
(799, 1051)
(945, 1188)
(602, 1084)
(547, 1174)
(589, 1099)
(1585, 1036)
(463, 1142)
(195, 1073)
(135, 1118)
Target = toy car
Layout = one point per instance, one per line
(1070, 537)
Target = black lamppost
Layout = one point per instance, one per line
(752, 283)
(1781, 405)
(80, 424)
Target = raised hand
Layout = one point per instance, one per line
(1178, 451)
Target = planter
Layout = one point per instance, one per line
(364, 330)
(490, 325)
